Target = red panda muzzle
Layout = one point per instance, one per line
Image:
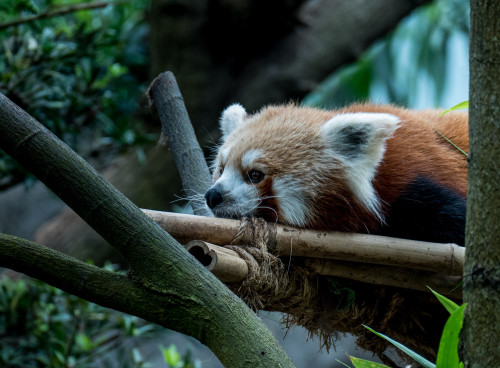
(213, 197)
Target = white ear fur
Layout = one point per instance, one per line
(358, 140)
(356, 135)
(231, 117)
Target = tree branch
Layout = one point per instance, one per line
(204, 307)
(87, 281)
(166, 99)
(65, 10)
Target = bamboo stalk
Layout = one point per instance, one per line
(286, 241)
(388, 276)
(373, 249)
(224, 263)
(227, 266)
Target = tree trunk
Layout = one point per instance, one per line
(481, 335)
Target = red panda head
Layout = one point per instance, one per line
(299, 166)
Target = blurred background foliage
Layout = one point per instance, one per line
(41, 326)
(422, 63)
(81, 74)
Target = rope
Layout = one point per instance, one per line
(328, 307)
(269, 285)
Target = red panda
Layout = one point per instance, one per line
(365, 168)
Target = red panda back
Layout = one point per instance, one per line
(422, 179)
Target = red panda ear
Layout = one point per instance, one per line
(359, 136)
(357, 140)
(231, 118)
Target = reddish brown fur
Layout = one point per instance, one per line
(414, 150)
(417, 149)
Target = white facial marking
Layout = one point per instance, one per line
(249, 157)
(224, 154)
(240, 198)
(358, 139)
(231, 117)
(291, 201)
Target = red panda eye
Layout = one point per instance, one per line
(221, 170)
(255, 176)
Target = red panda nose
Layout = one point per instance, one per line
(213, 197)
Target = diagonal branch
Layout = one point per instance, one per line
(201, 305)
(87, 281)
(166, 99)
(65, 10)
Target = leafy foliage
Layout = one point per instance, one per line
(80, 74)
(174, 359)
(413, 61)
(41, 326)
(362, 363)
(448, 346)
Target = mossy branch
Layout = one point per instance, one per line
(201, 305)
(168, 107)
(109, 289)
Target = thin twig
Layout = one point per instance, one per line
(65, 10)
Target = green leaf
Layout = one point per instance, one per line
(60, 357)
(136, 356)
(345, 365)
(450, 305)
(448, 347)
(419, 359)
(461, 105)
(361, 363)
(84, 342)
(171, 355)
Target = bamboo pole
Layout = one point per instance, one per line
(286, 241)
(228, 266)
(373, 249)
(388, 276)
(224, 263)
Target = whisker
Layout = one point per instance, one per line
(290, 257)
(273, 210)
(270, 197)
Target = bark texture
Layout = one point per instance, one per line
(199, 305)
(481, 335)
(177, 130)
(150, 185)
